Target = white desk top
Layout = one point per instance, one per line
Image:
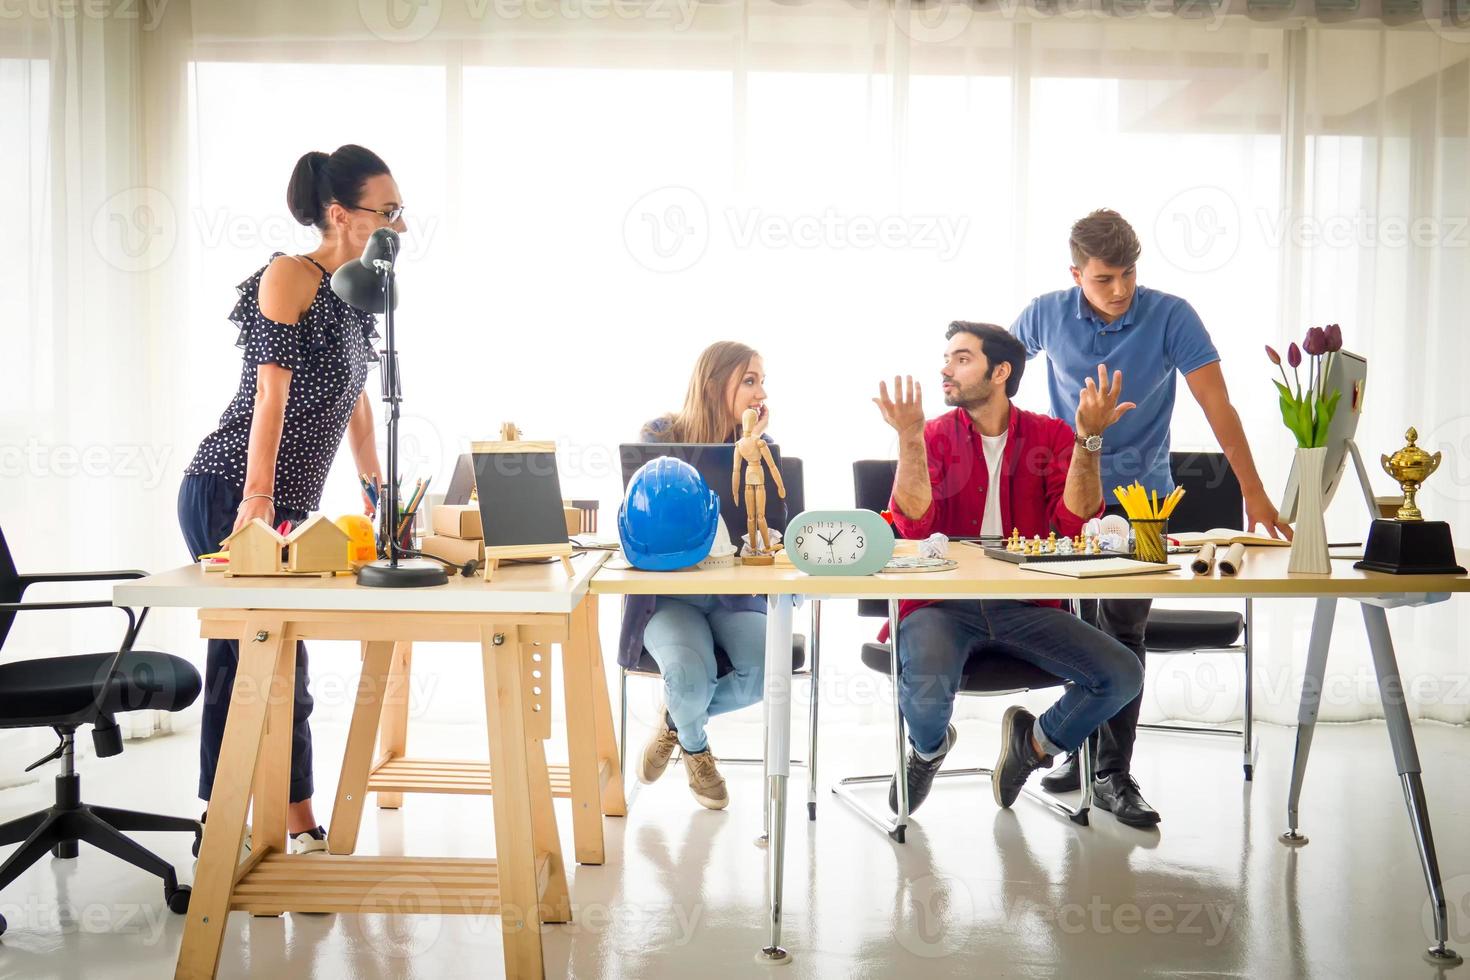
(1264, 575)
(538, 588)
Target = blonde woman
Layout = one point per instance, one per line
(682, 632)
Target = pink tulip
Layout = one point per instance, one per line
(1315, 343)
(1334, 337)
(1294, 355)
(1272, 356)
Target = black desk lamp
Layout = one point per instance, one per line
(367, 284)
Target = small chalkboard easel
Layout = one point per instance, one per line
(519, 493)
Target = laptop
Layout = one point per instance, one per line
(715, 462)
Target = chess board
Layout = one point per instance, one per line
(1017, 557)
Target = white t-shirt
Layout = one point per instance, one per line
(995, 448)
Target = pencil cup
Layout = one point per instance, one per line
(1148, 539)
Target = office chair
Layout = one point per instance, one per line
(793, 477)
(987, 674)
(1212, 499)
(64, 693)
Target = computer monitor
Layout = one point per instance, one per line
(716, 463)
(1347, 372)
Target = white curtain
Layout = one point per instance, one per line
(597, 190)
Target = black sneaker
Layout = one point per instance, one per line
(1118, 794)
(1066, 779)
(1018, 759)
(921, 773)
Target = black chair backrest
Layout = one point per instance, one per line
(9, 587)
(1212, 496)
(872, 481)
(793, 476)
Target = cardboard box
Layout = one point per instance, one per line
(458, 521)
(457, 550)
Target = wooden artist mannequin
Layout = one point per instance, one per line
(752, 450)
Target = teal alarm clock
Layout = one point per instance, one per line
(839, 542)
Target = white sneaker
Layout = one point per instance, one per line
(309, 842)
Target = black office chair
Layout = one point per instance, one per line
(793, 478)
(1212, 499)
(987, 674)
(64, 693)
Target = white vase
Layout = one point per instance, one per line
(1309, 540)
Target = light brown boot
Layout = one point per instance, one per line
(705, 781)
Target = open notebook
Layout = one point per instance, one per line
(1099, 568)
(1228, 536)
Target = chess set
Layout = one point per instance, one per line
(1018, 549)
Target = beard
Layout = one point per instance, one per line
(969, 397)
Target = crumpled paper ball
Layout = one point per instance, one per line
(935, 545)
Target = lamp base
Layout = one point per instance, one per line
(1410, 548)
(407, 574)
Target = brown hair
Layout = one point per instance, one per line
(1105, 236)
(706, 416)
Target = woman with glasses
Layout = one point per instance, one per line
(305, 358)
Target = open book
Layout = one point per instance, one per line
(1228, 536)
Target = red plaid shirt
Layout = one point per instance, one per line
(1038, 453)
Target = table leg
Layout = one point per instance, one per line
(393, 728)
(614, 802)
(515, 857)
(778, 761)
(1406, 760)
(815, 646)
(357, 760)
(556, 902)
(582, 758)
(261, 644)
(901, 774)
(272, 784)
(1306, 716)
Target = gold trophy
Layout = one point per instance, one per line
(1410, 545)
(1410, 467)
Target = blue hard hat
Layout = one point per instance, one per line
(668, 516)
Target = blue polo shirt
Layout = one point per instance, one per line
(1158, 336)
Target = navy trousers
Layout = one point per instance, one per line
(207, 506)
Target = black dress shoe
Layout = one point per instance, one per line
(1067, 778)
(921, 773)
(1018, 759)
(1118, 794)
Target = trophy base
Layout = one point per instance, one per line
(1410, 548)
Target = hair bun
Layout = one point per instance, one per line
(304, 194)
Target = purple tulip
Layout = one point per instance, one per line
(1272, 356)
(1294, 355)
(1334, 338)
(1315, 343)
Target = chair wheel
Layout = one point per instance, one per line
(1250, 773)
(178, 899)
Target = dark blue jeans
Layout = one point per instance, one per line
(207, 506)
(935, 642)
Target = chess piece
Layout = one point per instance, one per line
(1051, 543)
(1064, 546)
(752, 451)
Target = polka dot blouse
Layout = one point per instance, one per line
(328, 353)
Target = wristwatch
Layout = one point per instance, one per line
(1090, 443)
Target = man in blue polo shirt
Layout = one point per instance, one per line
(1107, 318)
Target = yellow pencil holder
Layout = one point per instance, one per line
(1149, 539)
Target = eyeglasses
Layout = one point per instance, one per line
(392, 215)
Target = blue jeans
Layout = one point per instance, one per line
(207, 505)
(681, 637)
(934, 643)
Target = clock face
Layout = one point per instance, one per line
(839, 542)
(829, 542)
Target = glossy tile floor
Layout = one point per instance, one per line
(975, 892)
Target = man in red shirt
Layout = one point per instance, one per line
(983, 469)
